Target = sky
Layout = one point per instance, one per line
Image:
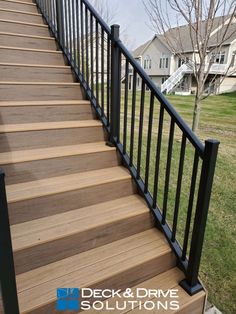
(133, 21)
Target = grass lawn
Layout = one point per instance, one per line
(218, 268)
(218, 120)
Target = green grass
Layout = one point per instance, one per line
(218, 120)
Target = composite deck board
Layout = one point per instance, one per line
(24, 73)
(55, 185)
(19, 27)
(53, 152)
(16, 5)
(38, 57)
(20, 16)
(16, 40)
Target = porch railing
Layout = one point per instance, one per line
(171, 167)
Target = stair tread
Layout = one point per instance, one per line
(38, 286)
(53, 152)
(34, 65)
(40, 83)
(27, 36)
(24, 127)
(21, 12)
(32, 50)
(20, 22)
(55, 185)
(21, 2)
(43, 102)
(165, 281)
(58, 226)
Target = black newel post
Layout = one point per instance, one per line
(115, 84)
(60, 22)
(191, 283)
(7, 270)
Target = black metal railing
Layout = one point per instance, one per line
(172, 168)
(7, 270)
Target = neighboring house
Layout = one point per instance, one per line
(171, 72)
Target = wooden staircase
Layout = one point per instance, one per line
(76, 217)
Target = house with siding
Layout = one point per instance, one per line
(169, 66)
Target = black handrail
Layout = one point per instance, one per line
(98, 58)
(7, 270)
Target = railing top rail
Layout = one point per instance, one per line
(191, 136)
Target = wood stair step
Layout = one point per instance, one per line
(51, 113)
(45, 197)
(39, 188)
(24, 127)
(43, 103)
(21, 16)
(48, 134)
(21, 27)
(24, 1)
(17, 5)
(36, 164)
(35, 73)
(32, 56)
(167, 280)
(113, 265)
(27, 41)
(45, 91)
(74, 232)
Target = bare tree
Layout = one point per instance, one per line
(107, 10)
(205, 20)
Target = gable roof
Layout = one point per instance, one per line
(177, 39)
(139, 51)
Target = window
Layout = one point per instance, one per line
(219, 57)
(147, 63)
(164, 63)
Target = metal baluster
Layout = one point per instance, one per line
(168, 166)
(140, 136)
(149, 138)
(126, 105)
(178, 189)
(133, 117)
(190, 205)
(158, 156)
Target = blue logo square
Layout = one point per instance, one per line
(61, 305)
(68, 299)
(73, 305)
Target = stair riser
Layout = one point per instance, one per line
(18, 6)
(196, 307)
(36, 170)
(49, 138)
(35, 74)
(24, 28)
(29, 1)
(38, 256)
(25, 18)
(33, 114)
(128, 278)
(42, 92)
(30, 57)
(27, 42)
(58, 203)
